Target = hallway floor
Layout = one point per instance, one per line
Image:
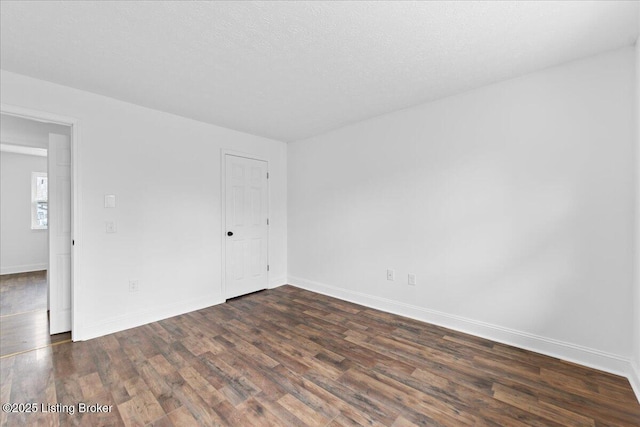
(24, 320)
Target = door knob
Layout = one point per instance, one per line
(229, 233)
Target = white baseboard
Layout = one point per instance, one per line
(562, 350)
(277, 282)
(23, 268)
(634, 379)
(139, 318)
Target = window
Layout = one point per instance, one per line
(39, 201)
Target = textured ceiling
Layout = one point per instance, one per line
(290, 70)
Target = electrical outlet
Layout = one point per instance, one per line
(391, 275)
(134, 285)
(412, 279)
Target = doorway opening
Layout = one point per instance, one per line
(36, 245)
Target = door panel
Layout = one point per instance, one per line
(246, 210)
(63, 277)
(59, 275)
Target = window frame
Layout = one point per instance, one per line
(35, 225)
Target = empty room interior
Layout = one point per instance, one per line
(320, 213)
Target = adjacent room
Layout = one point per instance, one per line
(25, 250)
(320, 213)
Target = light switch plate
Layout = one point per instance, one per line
(110, 227)
(412, 279)
(109, 201)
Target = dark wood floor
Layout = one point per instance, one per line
(291, 357)
(24, 320)
(23, 292)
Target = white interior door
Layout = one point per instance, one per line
(246, 231)
(59, 275)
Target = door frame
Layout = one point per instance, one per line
(223, 212)
(74, 124)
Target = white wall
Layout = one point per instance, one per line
(512, 203)
(29, 133)
(21, 248)
(635, 376)
(165, 172)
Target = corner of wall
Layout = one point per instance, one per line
(276, 282)
(634, 378)
(634, 375)
(15, 269)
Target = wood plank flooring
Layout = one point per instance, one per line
(24, 320)
(289, 357)
(23, 292)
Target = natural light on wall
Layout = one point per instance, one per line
(39, 201)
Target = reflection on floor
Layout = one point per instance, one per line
(24, 320)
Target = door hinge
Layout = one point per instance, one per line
(267, 175)
(267, 267)
(267, 221)
(73, 243)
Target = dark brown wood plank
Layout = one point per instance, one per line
(23, 292)
(294, 358)
(24, 319)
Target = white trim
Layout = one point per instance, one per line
(28, 268)
(76, 271)
(34, 202)
(634, 378)
(225, 152)
(14, 139)
(223, 212)
(143, 317)
(6, 147)
(36, 115)
(276, 282)
(562, 350)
